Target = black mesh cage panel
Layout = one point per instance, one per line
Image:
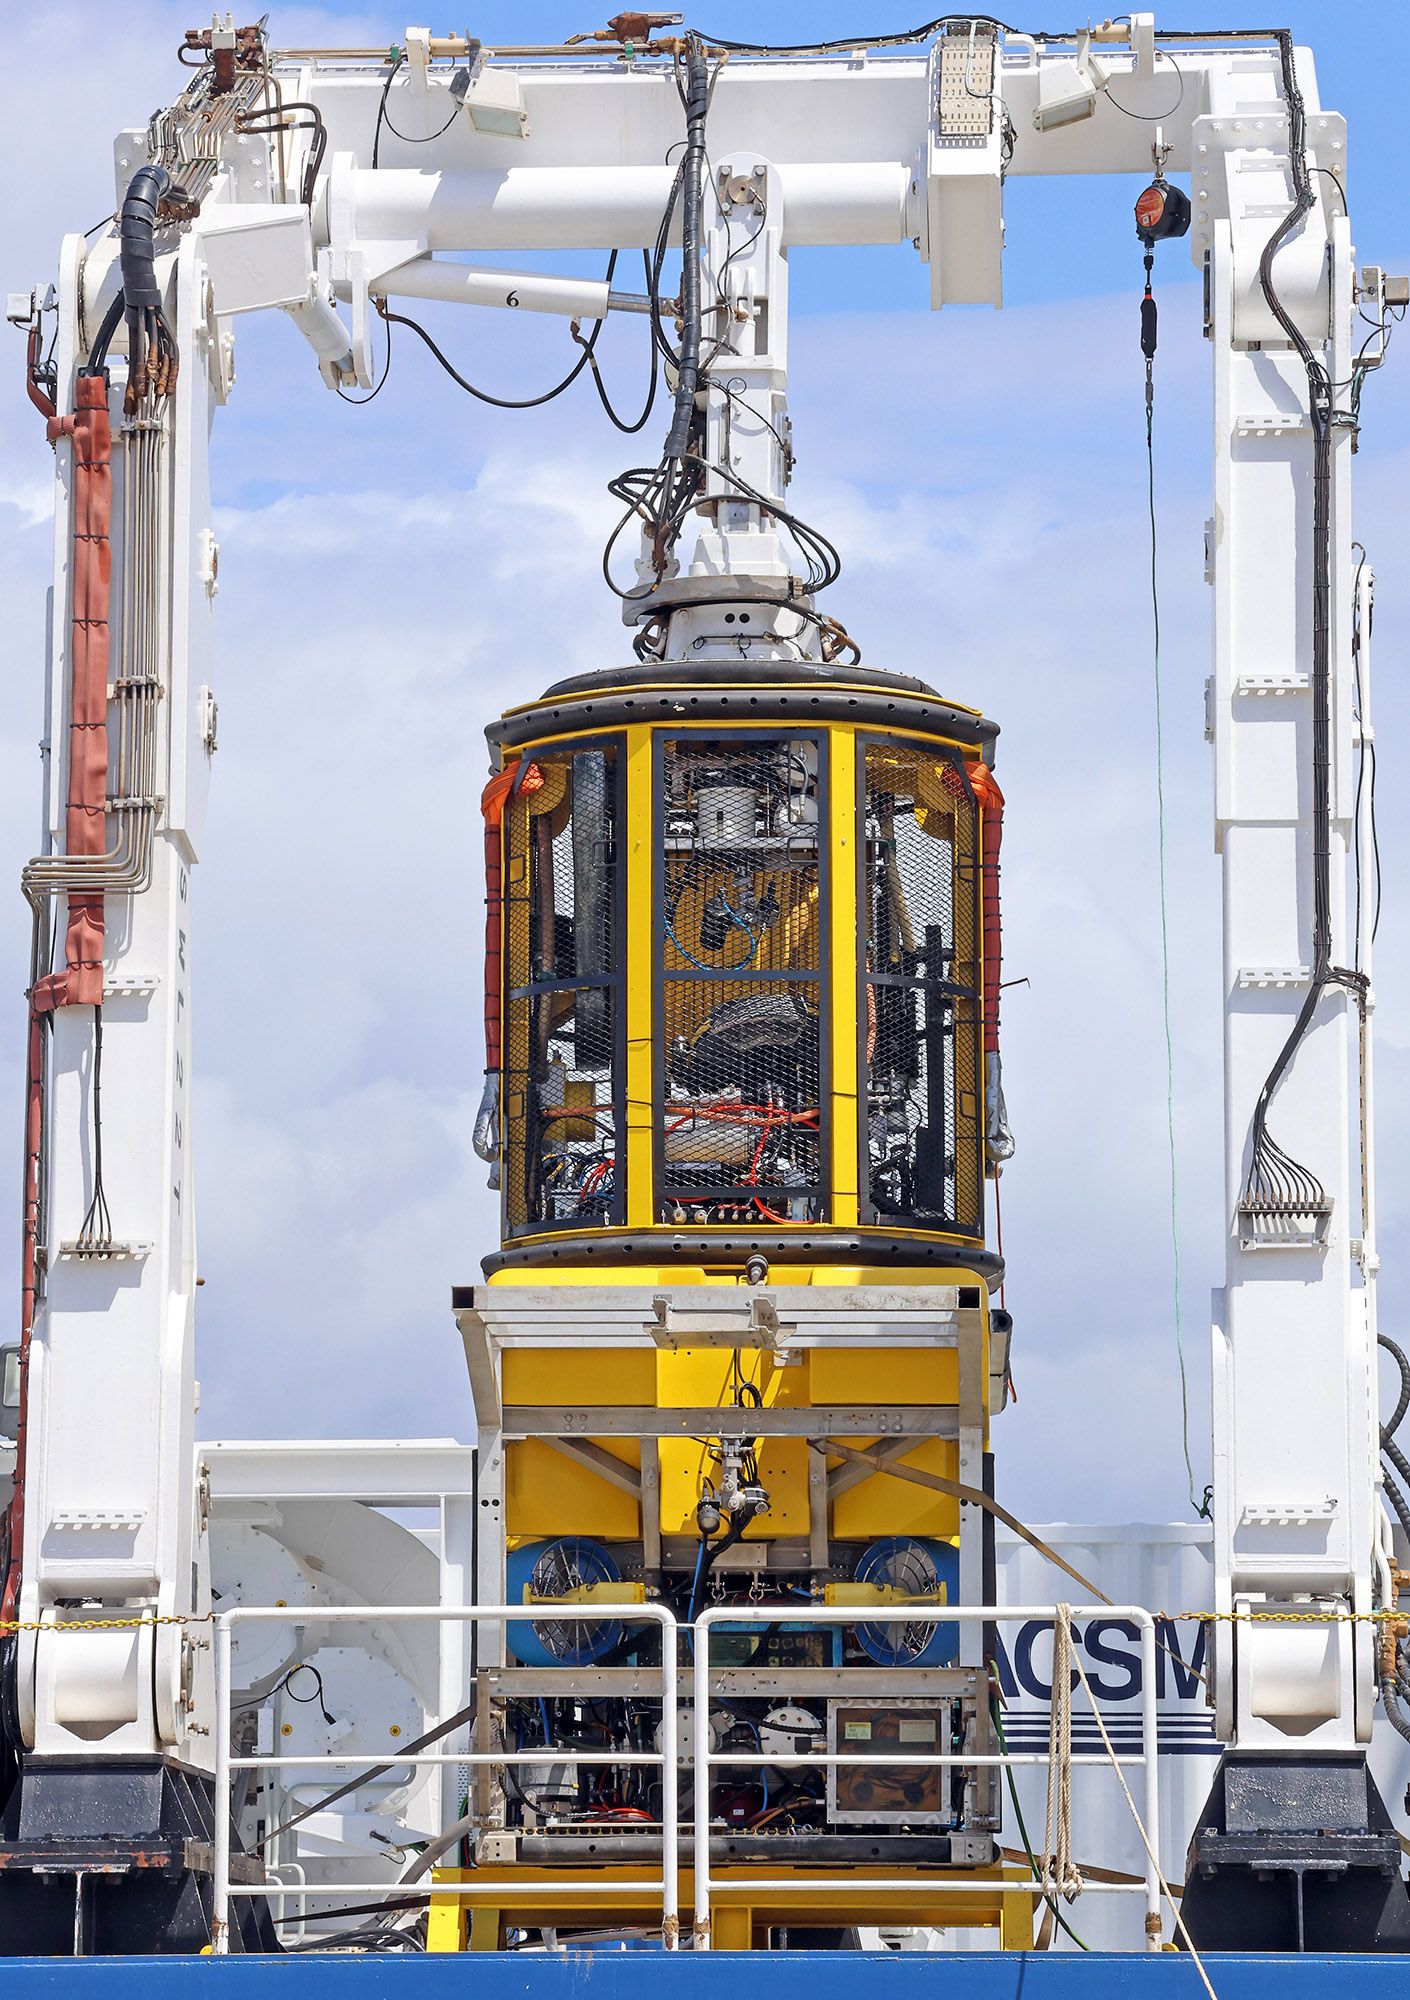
(560, 1099)
(922, 1134)
(741, 1124)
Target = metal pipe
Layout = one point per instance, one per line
(124, 868)
(525, 1892)
(706, 1759)
(1150, 1740)
(1365, 860)
(451, 46)
(533, 291)
(670, 1795)
(585, 208)
(335, 1760)
(220, 1887)
(473, 1615)
(700, 1731)
(322, 329)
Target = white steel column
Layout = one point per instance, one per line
(1292, 1378)
(111, 1502)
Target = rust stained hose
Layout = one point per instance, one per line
(492, 803)
(998, 1140)
(493, 800)
(36, 394)
(991, 804)
(80, 984)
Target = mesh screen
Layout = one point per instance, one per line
(740, 1123)
(560, 1040)
(920, 1047)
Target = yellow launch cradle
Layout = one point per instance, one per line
(472, 1909)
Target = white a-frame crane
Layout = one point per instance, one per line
(276, 182)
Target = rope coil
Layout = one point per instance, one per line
(1060, 1874)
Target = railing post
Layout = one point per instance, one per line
(1150, 1745)
(700, 1732)
(220, 1888)
(670, 1789)
(668, 1758)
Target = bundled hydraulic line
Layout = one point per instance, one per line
(274, 121)
(1278, 1185)
(151, 346)
(697, 99)
(661, 496)
(152, 195)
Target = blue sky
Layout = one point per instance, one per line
(392, 575)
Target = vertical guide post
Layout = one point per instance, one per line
(1368, 867)
(220, 1889)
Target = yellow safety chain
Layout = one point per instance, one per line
(104, 1624)
(1284, 1617)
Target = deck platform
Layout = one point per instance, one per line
(621, 1975)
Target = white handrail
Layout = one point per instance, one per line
(669, 1756)
(943, 1614)
(226, 1763)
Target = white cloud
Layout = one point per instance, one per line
(392, 576)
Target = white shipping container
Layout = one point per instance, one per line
(1166, 1568)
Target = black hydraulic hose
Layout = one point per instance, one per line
(714, 1550)
(1390, 1701)
(1396, 1493)
(1388, 1430)
(697, 95)
(137, 229)
(271, 122)
(151, 348)
(98, 354)
(1400, 1507)
(1399, 1461)
(1273, 1175)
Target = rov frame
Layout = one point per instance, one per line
(602, 1350)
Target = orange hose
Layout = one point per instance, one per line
(80, 984)
(492, 803)
(991, 810)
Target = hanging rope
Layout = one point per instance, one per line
(1146, 1840)
(1149, 330)
(1060, 1876)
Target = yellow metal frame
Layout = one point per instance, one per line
(472, 1908)
(637, 993)
(845, 1071)
(842, 740)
